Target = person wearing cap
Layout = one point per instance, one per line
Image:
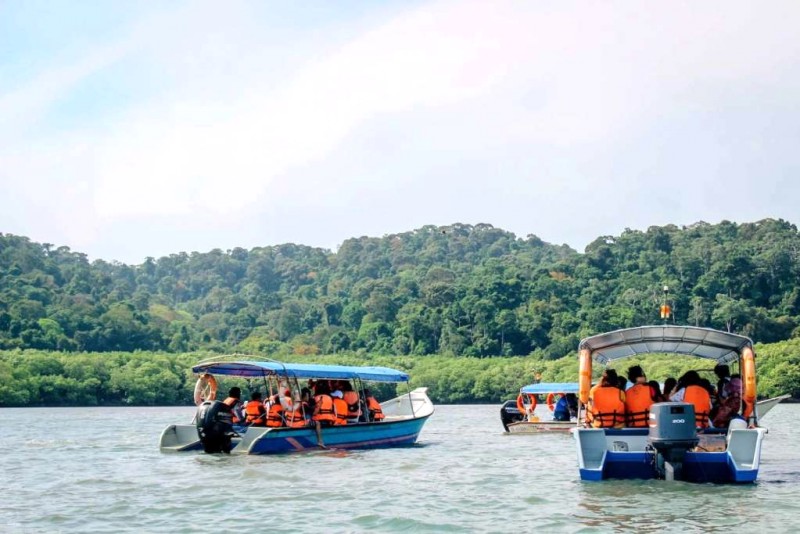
(339, 407)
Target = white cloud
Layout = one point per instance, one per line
(246, 118)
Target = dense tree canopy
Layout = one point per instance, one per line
(49, 378)
(456, 290)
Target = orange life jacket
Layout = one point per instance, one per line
(231, 403)
(274, 418)
(340, 407)
(296, 417)
(607, 407)
(637, 405)
(254, 413)
(323, 409)
(699, 396)
(353, 406)
(375, 410)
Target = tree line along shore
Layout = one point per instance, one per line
(47, 378)
(471, 311)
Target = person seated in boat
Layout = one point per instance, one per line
(234, 404)
(275, 412)
(723, 373)
(286, 399)
(691, 390)
(353, 402)
(339, 408)
(254, 411)
(638, 398)
(323, 414)
(622, 383)
(655, 391)
(566, 407)
(606, 407)
(373, 406)
(299, 414)
(669, 388)
(730, 405)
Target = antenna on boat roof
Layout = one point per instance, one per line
(666, 311)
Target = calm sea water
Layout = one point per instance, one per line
(99, 470)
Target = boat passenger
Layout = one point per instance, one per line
(669, 388)
(275, 412)
(353, 402)
(255, 413)
(606, 407)
(655, 391)
(234, 403)
(339, 408)
(374, 407)
(723, 373)
(563, 411)
(622, 383)
(690, 390)
(730, 405)
(323, 414)
(299, 415)
(638, 398)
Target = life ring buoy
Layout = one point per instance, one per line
(521, 403)
(205, 389)
(551, 401)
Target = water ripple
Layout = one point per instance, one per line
(100, 473)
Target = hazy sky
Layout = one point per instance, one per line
(132, 129)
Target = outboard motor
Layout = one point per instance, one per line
(510, 414)
(672, 433)
(215, 426)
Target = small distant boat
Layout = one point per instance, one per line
(672, 448)
(532, 412)
(404, 416)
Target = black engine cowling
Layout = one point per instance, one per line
(510, 414)
(215, 426)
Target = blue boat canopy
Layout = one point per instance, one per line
(722, 347)
(253, 369)
(550, 387)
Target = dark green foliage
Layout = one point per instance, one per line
(458, 290)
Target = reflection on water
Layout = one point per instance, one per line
(101, 471)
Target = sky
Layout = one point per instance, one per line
(131, 129)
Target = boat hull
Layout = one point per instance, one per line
(400, 428)
(623, 454)
(541, 427)
(361, 436)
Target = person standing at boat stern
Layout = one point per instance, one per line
(638, 398)
(606, 407)
(234, 403)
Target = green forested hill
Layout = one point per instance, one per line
(454, 290)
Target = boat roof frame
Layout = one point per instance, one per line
(262, 367)
(716, 345)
